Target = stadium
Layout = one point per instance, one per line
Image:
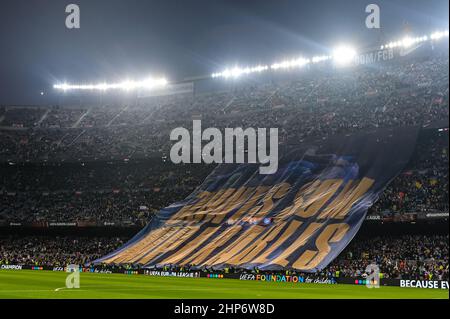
(96, 202)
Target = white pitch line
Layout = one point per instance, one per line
(69, 289)
(23, 290)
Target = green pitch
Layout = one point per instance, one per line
(50, 285)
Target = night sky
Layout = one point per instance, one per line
(181, 38)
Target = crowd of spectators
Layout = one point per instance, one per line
(320, 103)
(55, 251)
(412, 257)
(99, 193)
(418, 257)
(423, 186)
(143, 175)
(97, 163)
(128, 193)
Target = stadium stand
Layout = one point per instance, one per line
(107, 164)
(96, 193)
(341, 102)
(415, 257)
(55, 251)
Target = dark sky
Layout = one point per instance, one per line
(179, 38)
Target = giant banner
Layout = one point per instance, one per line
(299, 218)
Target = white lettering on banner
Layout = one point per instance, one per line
(172, 274)
(374, 57)
(320, 281)
(62, 224)
(11, 267)
(287, 278)
(426, 284)
(247, 277)
(102, 271)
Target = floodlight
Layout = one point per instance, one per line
(126, 85)
(102, 87)
(438, 35)
(318, 59)
(344, 55)
(407, 42)
(238, 71)
(290, 64)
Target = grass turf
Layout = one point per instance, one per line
(49, 285)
